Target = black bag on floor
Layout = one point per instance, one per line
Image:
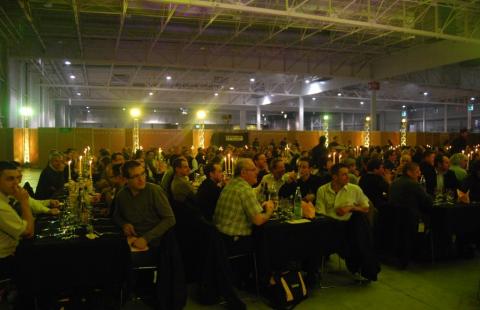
(286, 289)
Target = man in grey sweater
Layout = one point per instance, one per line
(142, 209)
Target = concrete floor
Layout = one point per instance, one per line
(444, 285)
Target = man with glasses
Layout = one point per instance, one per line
(238, 209)
(144, 213)
(52, 177)
(182, 190)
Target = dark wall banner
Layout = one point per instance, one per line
(235, 138)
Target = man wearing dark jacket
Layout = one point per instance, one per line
(320, 154)
(209, 191)
(52, 177)
(440, 179)
(459, 143)
(410, 202)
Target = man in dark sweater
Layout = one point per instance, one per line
(209, 190)
(410, 202)
(143, 212)
(373, 184)
(308, 182)
(320, 154)
(439, 179)
(52, 177)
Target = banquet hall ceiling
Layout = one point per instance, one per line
(123, 51)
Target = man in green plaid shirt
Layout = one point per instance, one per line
(238, 209)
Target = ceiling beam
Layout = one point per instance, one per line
(292, 15)
(25, 6)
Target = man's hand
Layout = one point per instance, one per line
(268, 206)
(54, 204)
(344, 210)
(54, 211)
(292, 176)
(360, 209)
(21, 194)
(140, 243)
(128, 230)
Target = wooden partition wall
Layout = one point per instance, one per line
(42, 140)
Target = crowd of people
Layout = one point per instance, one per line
(383, 194)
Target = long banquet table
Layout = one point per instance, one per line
(51, 265)
(280, 242)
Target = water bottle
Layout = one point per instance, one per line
(297, 204)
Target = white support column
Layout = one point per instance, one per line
(259, 118)
(445, 118)
(373, 111)
(423, 119)
(341, 122)
(243, 119)
(300, 114)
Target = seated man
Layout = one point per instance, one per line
(442, 179)
(374, 185)
(52, 179)
(276, 178)
(308, 182)
(210, 189)
(116, 182)
(182, 189)
(12, 226)
(117, 158)
(47, 206)
(346, 202)
(238, 209)
(410, 200)
(144, 213)
(458, 164)
(260, 161)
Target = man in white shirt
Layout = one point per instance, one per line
(347, 202)
(12, 226)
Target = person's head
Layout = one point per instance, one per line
(260, 161)
(322, 140)
(405, 158)
(459, 159)
(339, 173)
(114, 175)
(412, 170)
(180, 165)
(375, 166)
(304, 167)
(429, 157)
(245, 169)
(135, 174)
(390, 155)
(351, 164)
(117, 158)
(70, 154)
(8, 178)
(442, 163)
(277, 168)
(19, 169)
(55, 160)
(213, 172)
(464, 132)
(150, 155)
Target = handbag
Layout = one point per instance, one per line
(286, 289)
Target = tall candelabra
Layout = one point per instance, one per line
(325, 129)
(135, 113)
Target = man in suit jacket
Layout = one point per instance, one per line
(441, 178)
(210, 189)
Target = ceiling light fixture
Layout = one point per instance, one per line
(425, 93)
(232, 88)
(67, 63)
(168, 77)
(72, 77)
(361, 102)
(403, 106)
(79, 94)
(252, 80)
(216, 94)
(150, 93)
(472, 98)
(88, 107)
(307, 81)
(339, 94)
(314, 98)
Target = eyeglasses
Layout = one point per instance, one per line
(135, 176)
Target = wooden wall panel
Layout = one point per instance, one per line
(66, 138)
(165, 138)
(6, 143)
(47, 141)
(83, 138)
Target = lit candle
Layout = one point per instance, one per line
(226, 165)
(90, 168)
(80, 166)
(340, 158)
(334, 154)
(69, 171)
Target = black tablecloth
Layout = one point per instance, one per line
(447, 221)
(279, 242)
(50, 264)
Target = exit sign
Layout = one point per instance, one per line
(470, 108)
